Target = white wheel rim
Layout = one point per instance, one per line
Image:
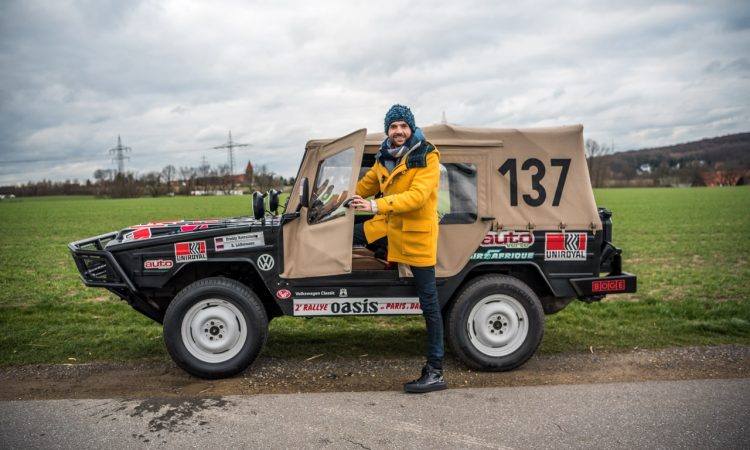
(214, 330)
(498, 325)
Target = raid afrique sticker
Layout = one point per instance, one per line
(236, 241)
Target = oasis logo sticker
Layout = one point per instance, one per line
(565, 247)
(265, 262)
(508, 239)
(283, 294)
(158, 264)
(190, 251)
(356, 306)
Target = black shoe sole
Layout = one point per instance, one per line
(425, 389)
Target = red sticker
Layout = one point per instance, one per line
(190, 251)
(283, 294)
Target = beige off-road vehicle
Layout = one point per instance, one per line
(520, 237)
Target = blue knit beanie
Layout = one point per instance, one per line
(399, 112)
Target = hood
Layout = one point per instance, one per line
(184, 226)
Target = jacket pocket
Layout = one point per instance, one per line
(417, 237)
(421, 225)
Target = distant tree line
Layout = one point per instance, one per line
(720, 161)
(185, 180)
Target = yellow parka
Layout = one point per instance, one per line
(407, 212)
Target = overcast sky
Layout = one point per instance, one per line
(173, 77)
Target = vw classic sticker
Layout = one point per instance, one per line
(235, 241)
(190, 251)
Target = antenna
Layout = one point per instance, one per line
(119, 156)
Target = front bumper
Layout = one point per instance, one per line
(98, 267)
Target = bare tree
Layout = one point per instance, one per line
(169, 172)
(188, 177)
(152, 182)
(264, 178)
(598, 166)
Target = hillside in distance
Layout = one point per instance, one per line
(723, 160)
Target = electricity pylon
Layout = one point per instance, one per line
(230, 146)
(119, 156)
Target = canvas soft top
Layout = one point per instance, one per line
(576, 209)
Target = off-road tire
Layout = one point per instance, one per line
(215, 328)
(511, 319)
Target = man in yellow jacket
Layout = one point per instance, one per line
(407, 172)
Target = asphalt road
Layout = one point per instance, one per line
(654, 414)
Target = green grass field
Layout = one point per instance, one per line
(689, 248)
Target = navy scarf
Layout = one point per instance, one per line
(390, 154)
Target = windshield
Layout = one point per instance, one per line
(331, 187)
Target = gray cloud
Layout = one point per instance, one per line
(172, 77)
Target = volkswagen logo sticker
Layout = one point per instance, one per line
(265, 262)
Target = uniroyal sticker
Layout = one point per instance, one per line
(508, 239)
(498, 254)
(565, 247)
(283, 294)
(158, 264)
(607, 285)
(356, 306)
(235, 241)
(190, 251)
(143, 233)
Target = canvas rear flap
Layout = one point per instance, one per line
(321, 249)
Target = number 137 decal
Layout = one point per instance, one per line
(510, 168)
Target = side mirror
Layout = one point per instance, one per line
(273, 201)
(304, 193)
(259, 205)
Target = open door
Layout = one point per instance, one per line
(319, 242)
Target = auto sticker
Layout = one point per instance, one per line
(508, 239)
(158, 264)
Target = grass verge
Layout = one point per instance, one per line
(689, 248)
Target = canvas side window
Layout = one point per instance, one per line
(457, 194)
(331, 187)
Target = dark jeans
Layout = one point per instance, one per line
(424, 281)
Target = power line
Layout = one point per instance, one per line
(230, 146)
(119, 156)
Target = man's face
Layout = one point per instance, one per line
(399, 132)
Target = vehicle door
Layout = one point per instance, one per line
(319, 242)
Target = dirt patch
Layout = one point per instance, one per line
(273, 376)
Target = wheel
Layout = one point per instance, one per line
(215, 328)
(495, 323)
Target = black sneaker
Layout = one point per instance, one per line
(431, 380)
